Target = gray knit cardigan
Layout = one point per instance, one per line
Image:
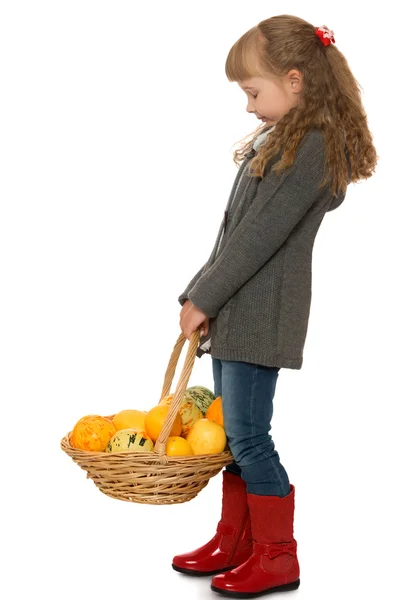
(256, 289)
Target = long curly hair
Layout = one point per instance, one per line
(330, 100)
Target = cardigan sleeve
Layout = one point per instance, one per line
(184, 295)
(281, 201)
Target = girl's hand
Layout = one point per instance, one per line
(191, 318)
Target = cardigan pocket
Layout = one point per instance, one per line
(221, 323)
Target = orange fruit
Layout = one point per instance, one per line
(178, 446)
(188, 411)
(154, 421)
(129, 419)
(92, 433)
(207, 437)
(214, 411)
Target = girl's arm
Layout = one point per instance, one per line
(280, 203)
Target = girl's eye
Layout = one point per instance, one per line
(254, 96)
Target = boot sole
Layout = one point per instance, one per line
(279, 588)
(200, 573)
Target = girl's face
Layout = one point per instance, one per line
(270, 98)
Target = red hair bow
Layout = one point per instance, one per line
(325, 35)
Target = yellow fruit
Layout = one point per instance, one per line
(92, 433)
(166, 398)
(206, 437)
(129, 419)
(188, 411)
(214, 411)
(154, 421)
(130, 440)
(178, 446)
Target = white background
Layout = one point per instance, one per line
(117, 132)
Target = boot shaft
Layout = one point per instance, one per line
(271, 517)
(234, 499)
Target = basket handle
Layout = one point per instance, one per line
(160, 446)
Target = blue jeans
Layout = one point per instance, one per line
(247, 392)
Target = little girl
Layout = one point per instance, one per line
(252, 297)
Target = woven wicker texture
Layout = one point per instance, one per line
(154, 477)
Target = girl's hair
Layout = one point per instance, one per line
(330, 99)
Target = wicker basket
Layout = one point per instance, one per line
(154, 477)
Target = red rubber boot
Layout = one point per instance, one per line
(232, 542)
(273, 565)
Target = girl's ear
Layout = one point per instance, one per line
(296, 81)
